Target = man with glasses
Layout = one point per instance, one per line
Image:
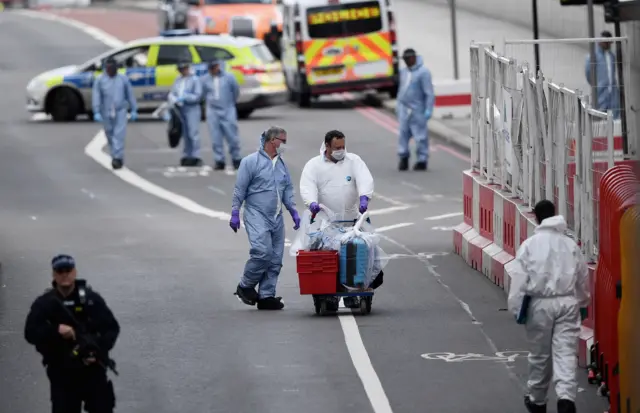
(73, 329)
(264, 186)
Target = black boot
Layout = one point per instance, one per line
(249, 296)
(219, 166)
(404, 164)
(420, 166)
(196, 162)
(184, 161)
(566, 406)
(236, 164)
(270, 303)
(116, 163)
(534, 408)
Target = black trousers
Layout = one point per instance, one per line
(70, 388)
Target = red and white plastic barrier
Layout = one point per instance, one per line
(495, 225)
(453, 98)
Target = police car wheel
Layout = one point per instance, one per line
(63, 105)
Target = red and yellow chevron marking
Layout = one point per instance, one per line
(352, 50)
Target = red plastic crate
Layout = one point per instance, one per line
(318, 283)
(317, 272)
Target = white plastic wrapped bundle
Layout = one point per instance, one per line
(325, 233)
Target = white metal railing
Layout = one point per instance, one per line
(539, 140)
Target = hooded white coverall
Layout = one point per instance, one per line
(338, 185)
(551, 270)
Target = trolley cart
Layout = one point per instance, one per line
(318, 274)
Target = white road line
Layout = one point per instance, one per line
(443, 216)
(217, 190)
(413, 186)
(443, 228)
(88, 193)
(395, 226)
(364, 367)
(389, 200)
(94, 151)
(390, 210)
(40, 117)
(355, 345)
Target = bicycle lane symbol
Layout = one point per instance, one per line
(500, 357)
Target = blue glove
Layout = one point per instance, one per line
(296, 219)
(166, 116)
(180, 99)
(134, 116)
(314, 208)
(97, 117)
(234, 223)
(428, 113)
(364, 204)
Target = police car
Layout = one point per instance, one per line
(150, 64)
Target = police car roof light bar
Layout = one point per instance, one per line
(177, 33)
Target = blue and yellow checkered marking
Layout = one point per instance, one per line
(138, 76)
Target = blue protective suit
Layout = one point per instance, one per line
(112, 97)
(221, 93)
(186, 94)
(608, 92)
(265, 189)
(415, 105)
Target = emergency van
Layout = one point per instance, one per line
(335, 46)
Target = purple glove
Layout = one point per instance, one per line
(234, 223)
(314, 208)
(364, 204)
(296, 219)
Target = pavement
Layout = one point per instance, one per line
(154, 240)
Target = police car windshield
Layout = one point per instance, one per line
(238, 2)
(341, 20)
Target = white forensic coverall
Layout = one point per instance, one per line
(338, 186)
(552, 270)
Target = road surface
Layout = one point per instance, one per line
(168, 267)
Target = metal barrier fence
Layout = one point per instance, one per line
(535, 139)
(540, 140)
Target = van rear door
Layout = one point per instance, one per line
(345, 42)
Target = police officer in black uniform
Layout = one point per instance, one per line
(73, 329)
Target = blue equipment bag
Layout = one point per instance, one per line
(524, 310)
(354, 261)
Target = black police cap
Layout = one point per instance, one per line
(63, 262)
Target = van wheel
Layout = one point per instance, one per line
(393, 91)
(303, 95)
(63, 105)
(304, 99)
(244, 113)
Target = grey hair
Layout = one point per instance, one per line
(273, 132)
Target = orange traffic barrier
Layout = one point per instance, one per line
(617, 188)
(628, 327)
